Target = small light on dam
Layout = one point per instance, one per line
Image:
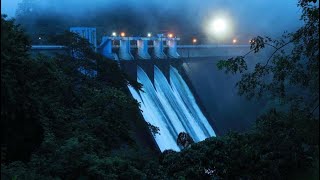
(194, 40)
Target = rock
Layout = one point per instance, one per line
(184, 140)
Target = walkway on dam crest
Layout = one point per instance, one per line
(183, 51)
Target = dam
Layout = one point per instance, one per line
(183, 91)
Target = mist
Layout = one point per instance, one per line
(184, 18)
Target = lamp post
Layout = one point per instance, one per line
(194, 41)
(40, 40)
(234, 41)
(114, 34)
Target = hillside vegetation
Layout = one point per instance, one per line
(71, 116)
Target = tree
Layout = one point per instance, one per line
(80, 126)
(40, 21)
(20, 128)
(291, 73)
(26, 14)
(284, 143)
(26, 7)
(58, 122)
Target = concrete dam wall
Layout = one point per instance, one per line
(208, 96)
(218, 95)
(214, 91)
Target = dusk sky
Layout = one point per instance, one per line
(244, 17)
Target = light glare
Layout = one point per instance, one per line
(194, 40)
(219, 26)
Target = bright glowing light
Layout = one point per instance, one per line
(149, 34)
(234, 41)
(219, 26)
(122, 34)
(170, 35)
(114, 34)
(194, 40)
(39, 37)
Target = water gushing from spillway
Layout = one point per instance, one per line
(180, 86)
(172, 108)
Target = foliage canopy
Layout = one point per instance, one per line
(58, 121)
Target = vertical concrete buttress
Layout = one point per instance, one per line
(158, 49)
(88, 33)
(124, 51)
(106, 49)
(142, 45)
(172, 51)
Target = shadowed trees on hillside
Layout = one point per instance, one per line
(73, 126)
(291, 73)
(59, 122)
(284, 143)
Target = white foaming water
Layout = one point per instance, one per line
(180, 87)
(178, 106)
(171, 108)
(154, 113)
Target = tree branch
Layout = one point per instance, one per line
(277, 49)
(248, 53)
(314, 109)
(292, 40)
(271, 45)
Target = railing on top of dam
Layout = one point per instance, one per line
(183, 51)
(58, 47)
(47, 47)
(212, 45)
(194, 46)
